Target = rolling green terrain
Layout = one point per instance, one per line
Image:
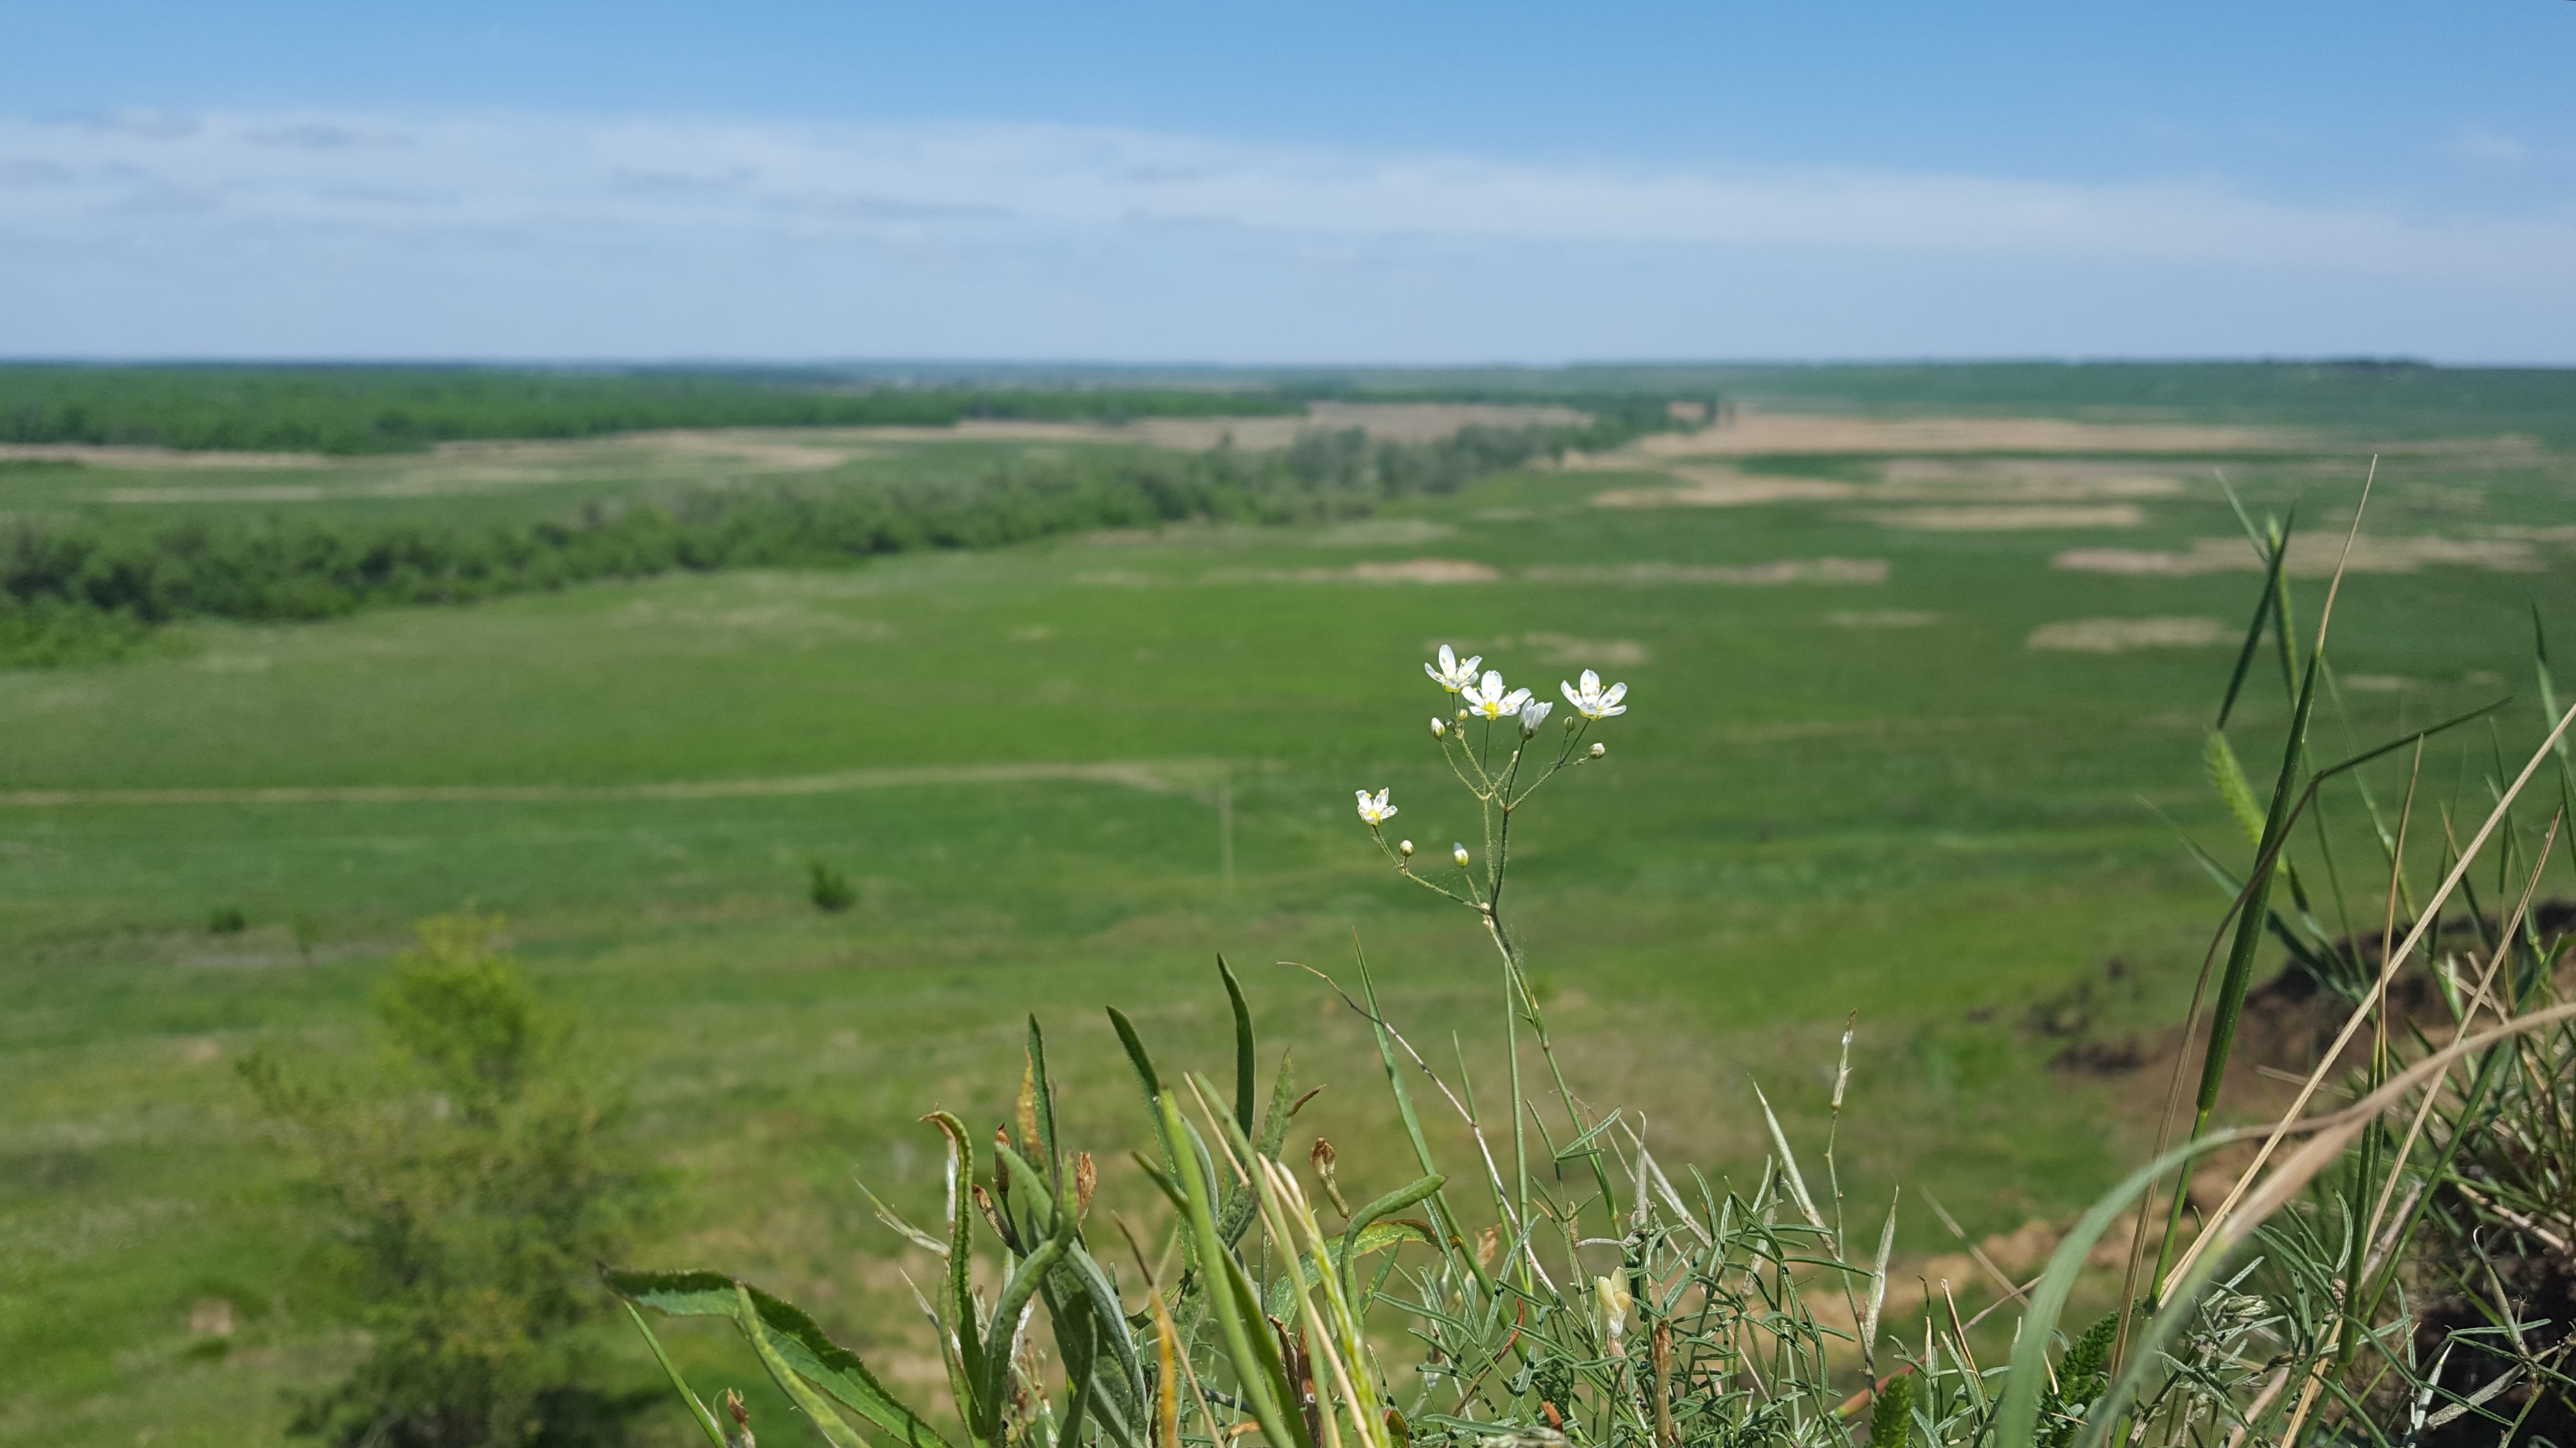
(1886, 754)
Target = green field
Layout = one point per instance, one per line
(1841, 787)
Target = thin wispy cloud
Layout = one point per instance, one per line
(339, 233)
(513, 180)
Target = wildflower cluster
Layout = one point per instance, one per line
(1484, 702)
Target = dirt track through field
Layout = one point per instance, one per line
(1154, 776)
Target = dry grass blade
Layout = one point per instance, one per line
(2362, 1012)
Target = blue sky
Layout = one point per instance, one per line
(1265, 183)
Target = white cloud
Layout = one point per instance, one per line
(512, 179)
(491, 235)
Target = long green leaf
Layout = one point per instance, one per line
(791, 1336)
(1376, 1239)
(1386, 1206)
(1447, 1221)
(2262, 614)
(818, 1410)
(2017, 1416)
(994, 1389)
(697, 1408)
(958, 1296)
(1260, 1377)
(1247, 1088)
(1045, 1105)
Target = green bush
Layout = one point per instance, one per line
(475, 1179)
(828, 888)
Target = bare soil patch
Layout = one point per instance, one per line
(2317, 560)
(2012, 519)
(151, 457)
(1882, 618)
(1410, 570)
(1726, 488)
(2024, 480)
(1777, 571)
(1767, 432)
(2119, 635)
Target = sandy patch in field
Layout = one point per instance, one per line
(1384, 532)
(261, 493)
(760, 618)
(1913, 480)
(1882, 618)
(1725, 488)
(770, 448)
(1768, 432)
(2023, 480)
(1117, 578)
(2009, 519)
(2560, 533)
(154, 457)
(1778, 571)
(2378, 683)
(2119, 635)
(2314, 557)
(1411, 570)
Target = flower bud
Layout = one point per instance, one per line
(1599, 749)
(1439, 727)
(1573, 722)
(1459, 853)
(1321, 1157)
(1612, 1295)
(1462, 716)
(1405, 848)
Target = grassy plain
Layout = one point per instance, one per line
(1855, 786)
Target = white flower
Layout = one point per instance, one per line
(1374, 808)
(1486, 700)
(1533, 714)
(1594, 702)
(1451, 674)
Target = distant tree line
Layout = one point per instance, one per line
(93, 588)
(352, 410)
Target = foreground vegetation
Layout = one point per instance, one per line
(1516, 1322)
(1851, 787)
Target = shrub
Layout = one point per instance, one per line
(475, 1178)
(828, 888)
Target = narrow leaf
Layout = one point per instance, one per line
(1246, 1086)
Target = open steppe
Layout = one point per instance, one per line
(1910, 694)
